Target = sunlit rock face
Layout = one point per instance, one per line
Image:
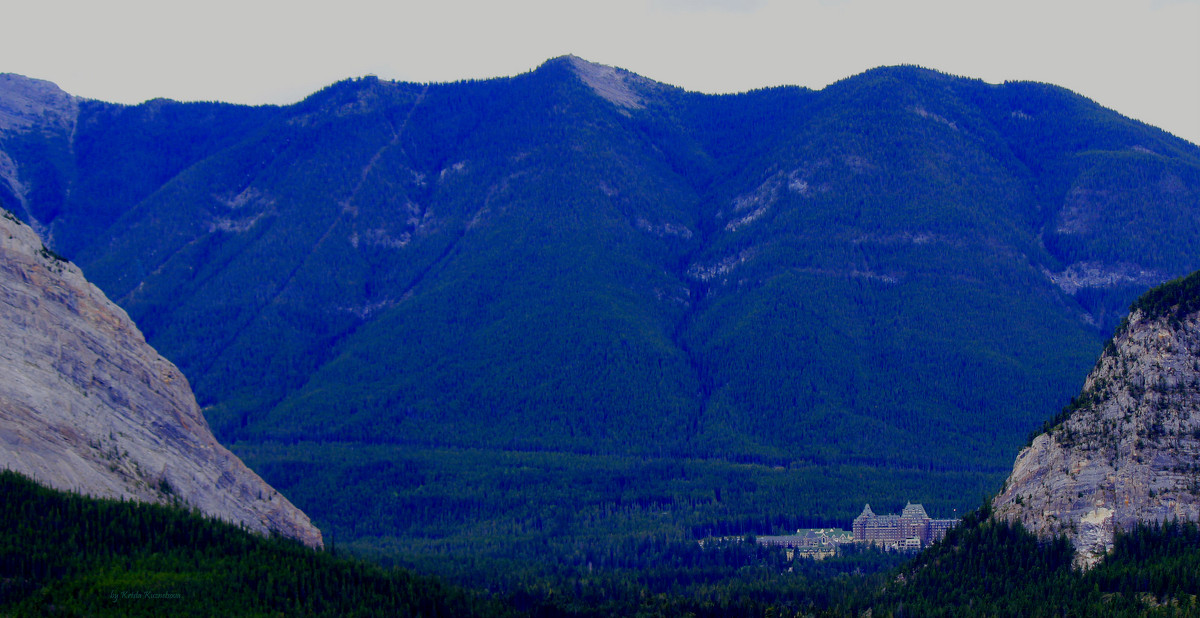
(1129, 453)
(87, 405)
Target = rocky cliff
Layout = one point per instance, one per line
(1128, 449)
(87, 405)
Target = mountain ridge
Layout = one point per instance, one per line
(902, 270)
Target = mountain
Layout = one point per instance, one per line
(1127, 450)
(878, 288)
(86, 405)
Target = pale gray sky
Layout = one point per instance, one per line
(1139, 57)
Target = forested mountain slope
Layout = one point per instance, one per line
(903, 270)
(65, 554)
(987, 567)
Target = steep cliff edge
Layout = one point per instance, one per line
(1128, 449)
(87, 405)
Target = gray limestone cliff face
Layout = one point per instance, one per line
(1130, 453)
(87, 405)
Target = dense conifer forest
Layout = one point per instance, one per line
(63, 554)
(68, 555)
(990, 568)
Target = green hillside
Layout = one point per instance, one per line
(881, 286)
(989, 568)
(1176, 298)
(66, 555)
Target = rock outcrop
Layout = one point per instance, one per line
(34, 103)
(87, 405)
(1128, 449)
(618, 86)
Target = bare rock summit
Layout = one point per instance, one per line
(618, 86)
(27, 103)
(1128, 450)
(87, 405)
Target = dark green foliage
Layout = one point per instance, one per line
(999, 567)
(63, 554)
(1174, 299)
(123, 154)
(50, 254)
(519, 264)
(47, 171)
(549, 515)
(69, 555)
(988, 568)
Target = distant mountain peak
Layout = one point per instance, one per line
(26, 102)
(618, 86)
